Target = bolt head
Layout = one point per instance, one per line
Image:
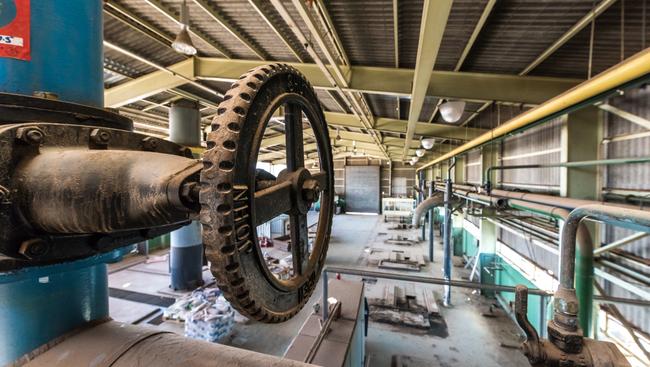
(30, 135)
(311, 191)
(150, 143)
(100, 137)
(34, 248)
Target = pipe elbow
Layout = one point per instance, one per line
(436, 199)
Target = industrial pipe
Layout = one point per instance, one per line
(599, 162)
(446, 236)
(563, 328)
(596, 88)
(436, 200)
(584, 259)
(116, 344)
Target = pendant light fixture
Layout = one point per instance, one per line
(183, 42)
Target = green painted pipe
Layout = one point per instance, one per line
(598, 162)
(584, 260)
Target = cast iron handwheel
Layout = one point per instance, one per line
(231, 209)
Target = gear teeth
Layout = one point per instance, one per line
(216, 197)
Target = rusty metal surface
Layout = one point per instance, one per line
(232, 209)
(116, 344)
(88, 171)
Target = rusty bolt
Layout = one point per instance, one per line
(34, 248)
(100, 137)
(30, 135)
(150, 143)
(311, 191)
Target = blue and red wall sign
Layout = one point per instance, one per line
(14, 29)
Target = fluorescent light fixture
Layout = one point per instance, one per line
(452, 111)
(427, 143)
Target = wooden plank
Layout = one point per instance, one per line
(430, 302)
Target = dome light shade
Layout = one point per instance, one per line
(183, 43)
(419, 152)
(452, 111)
(427, 143)
(415, 159)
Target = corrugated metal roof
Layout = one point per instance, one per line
(366, 30)
(460, 25)
(518, 31)
(572, 59)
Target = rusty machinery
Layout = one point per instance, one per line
(77, 181)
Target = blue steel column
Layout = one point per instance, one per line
(186, 252)
(38, 304)
(66, 53)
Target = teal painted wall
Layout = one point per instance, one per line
(501, 273)
(469, 244)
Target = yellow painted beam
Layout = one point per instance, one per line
(633, 68)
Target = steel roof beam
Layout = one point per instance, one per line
(383, 124)
(373, 80)
(581, 24)
(208, 9)
(470, 43)
(156, 4)
(434, 21)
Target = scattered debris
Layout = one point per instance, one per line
(401, 260)
(402, 305)
(401, 240)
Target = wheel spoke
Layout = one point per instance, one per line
(293, 136)
(299, 243)
(272, 201)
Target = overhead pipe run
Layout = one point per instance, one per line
(629, 71)
(600, 162)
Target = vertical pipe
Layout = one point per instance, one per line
(40, 303)
(585, 283)
(447, 236)
(421, 184)
(186, 252)
(431, 239)
(325, 295)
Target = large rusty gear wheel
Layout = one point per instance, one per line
(233, 203)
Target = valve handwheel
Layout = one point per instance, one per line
(235, 200)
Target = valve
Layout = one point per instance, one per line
(545, 353)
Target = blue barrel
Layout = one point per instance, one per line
(66, 52)
(39, 304)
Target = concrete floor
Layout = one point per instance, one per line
(472, 339)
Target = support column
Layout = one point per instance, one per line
(459, 170)
(431, 222)
(486, 252)
(581, 137)
(186, 251)
(40, 303)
